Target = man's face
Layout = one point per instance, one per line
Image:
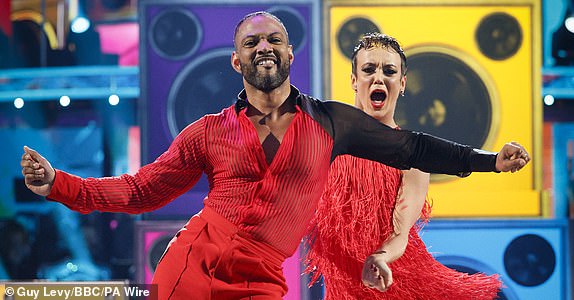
(263, 54)
(378, 82)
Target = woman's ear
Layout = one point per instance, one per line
(403, 85)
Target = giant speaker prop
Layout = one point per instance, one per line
(153, 237)
(473, 77)
(186, 72)
(531, 256)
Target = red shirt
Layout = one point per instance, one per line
(273, 203)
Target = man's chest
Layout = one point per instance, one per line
(239, 151)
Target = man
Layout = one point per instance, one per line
(266, 159)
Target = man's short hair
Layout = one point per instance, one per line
(259, 13)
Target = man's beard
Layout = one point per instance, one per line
(267, 82)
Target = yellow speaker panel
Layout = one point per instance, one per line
(473, 77)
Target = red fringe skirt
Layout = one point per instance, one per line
(354, 218)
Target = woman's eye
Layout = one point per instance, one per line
(390, 71)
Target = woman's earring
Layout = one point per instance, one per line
(402, 93)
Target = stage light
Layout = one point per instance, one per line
(563, 41)
(569, 23)
(548, 100)
(18, 103)
(80, 24)
(72, 267)
(114, 99)
(65, 101)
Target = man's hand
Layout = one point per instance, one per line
(376, 272)
(38, 173)
(512, 157)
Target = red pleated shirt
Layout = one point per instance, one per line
(272, 203)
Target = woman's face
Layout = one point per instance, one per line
(378, 82)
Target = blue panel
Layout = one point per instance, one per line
(563, 133)
(58, 145)
(482, 246)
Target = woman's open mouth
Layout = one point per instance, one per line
(378, 99)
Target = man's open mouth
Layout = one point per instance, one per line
(265, 61)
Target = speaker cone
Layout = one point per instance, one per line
(175, 34)
(499, 36)
(156, 251)
(529, 260)
(350, 33)
(206, 85)
(294, 23)
(472, 266)
(446, 97)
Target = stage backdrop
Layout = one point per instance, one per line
(473, 77)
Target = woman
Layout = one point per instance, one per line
(363, 240)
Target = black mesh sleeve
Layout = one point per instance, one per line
(358, 134)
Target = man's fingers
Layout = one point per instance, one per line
(28, 170)
(518, 151)
(26, 163)
(26, 156)
(514, 157)
(30, 164)
(34, 177)
(34, 155)
(514, 165)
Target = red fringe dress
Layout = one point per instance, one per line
(354, 218)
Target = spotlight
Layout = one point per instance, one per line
(548, 100)
(569, 23)
(65, 101)
(563, 41)
(114, 100)
(80, 24)
(18, 103)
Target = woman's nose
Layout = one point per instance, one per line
(379, 77)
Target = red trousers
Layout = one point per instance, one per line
(211, 259)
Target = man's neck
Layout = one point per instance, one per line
(268, 102)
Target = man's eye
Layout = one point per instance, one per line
(390, 71)
(369, 70)
(275, 40)
(249, 43)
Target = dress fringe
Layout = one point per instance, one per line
(354, 218)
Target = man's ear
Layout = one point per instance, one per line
(235, 64)
(291, 56)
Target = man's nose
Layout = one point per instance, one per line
(264, 46)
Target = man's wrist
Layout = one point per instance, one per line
(483, 161)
